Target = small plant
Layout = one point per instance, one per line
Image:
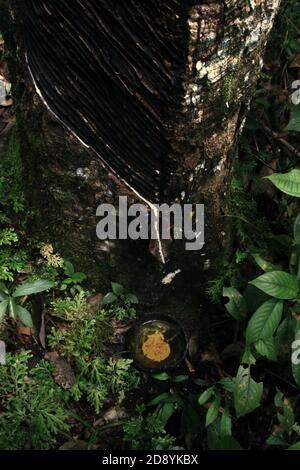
(288, 431)
(71, 308)
(99, 379)
(119, 304)
(33, 414)
(147, 432)
(9, 300)
(73, 279)
(280, 304)
(52, 259)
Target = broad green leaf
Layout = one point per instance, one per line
(295, 446)
(288, 183)
(206, 395)
(78, 277)
(3, 308)
(264, 321)
(236, 306)
(247, 392)
(227, 384)
(213, 411)
(69, 268)
(3, 288)
(266, 348)
(278, 284)
(201, 382)
(24, 316)
(162, 376)
(160, 399)
(132, 299)
(165, 412)
(13, 308)
(248, 357)
(33, 287)
(109, 299)
(277, 439)
(263, 264)
(225, 425)
(117, 289)
(68, 281)
(180, 378)
(297, 230)
(228, 443)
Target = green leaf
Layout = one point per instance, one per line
(24, 316)
(297, 230)
(201, 382)
(33, 287)
(132, 299)
(213, 411)
(13, 308)
(248, 357)
(295, 446)
(227, 384)
(288, 183)
(247, 392)
(67, 281)
(162, 376)
(228, 443)
(117, 289)
(3, 308)
(263, 264)
(69, 269)
(180, 378)
(109, 299)
(266, 348)
(78, 277)
(165, 412)
(236, 306)
(264, 321)
(3, 288)
(277, 439)
(159, 399)
(278, 284)
(206, 395)
(225, 424)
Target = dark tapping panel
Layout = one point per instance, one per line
(111, 71)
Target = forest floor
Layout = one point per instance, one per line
(67, 380)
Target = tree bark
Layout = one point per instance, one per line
(176, 82)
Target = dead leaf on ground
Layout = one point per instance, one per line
(295, 62)
(63, 372)
(95, 301)
(113, 414)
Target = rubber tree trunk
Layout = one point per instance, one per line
(158, 92)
